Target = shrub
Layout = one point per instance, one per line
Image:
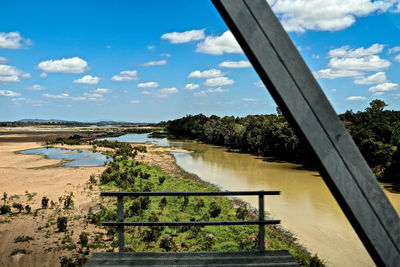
(163, 203)
(20, 251)
(214, 210)
(18, 206)
(23, 239)
(241, 213)
(135, 209)
(5, 209)
(62, 224)
(68, 202)
(185, 202)
(209, 241)
(161, 179)
(167, 243)
(66, 262)
(83, 239)
(316, 262)
(28, 209)
(144, 202)
(45, 202)
(4, 198)
(147, 187)
(151, 234)
(92, 179)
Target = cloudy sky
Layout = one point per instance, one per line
(147, 61)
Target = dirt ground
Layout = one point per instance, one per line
(27, 178)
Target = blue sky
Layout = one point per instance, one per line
(147, 61)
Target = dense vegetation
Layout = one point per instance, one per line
(375, 131)
(127, 174)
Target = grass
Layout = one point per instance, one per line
(208, 238)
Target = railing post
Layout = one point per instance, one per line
(120, 228)
(261, 227)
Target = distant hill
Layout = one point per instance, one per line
(55, 121)
(46, 121)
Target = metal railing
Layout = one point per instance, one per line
(121, 224)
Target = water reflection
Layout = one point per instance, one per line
(138, 138)
(75, 158)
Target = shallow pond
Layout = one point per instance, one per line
(76, 158)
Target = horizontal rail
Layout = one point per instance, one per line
(221, 193)
(190, 223)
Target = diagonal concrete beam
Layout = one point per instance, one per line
(299, 96)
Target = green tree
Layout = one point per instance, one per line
(376, 106)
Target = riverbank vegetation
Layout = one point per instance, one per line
(375, 131)
(127, 174)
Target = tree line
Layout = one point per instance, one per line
(375, 131)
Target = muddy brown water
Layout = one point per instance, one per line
(305, 207)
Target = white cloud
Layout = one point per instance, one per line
(165, 55)
(59, 96)
(191, 86)
(184, 37)
(150, 47)
(321, 15)
(134, 101)
(379, 77)
(89, 97)
(210, 91)
(3, 60)
(315, 56)
(65, 65)
(43, 75)
(368, 63)
(218, 81)
(25, 101)
(148, 85)
(166, 92)
(101, 91)
(235, 64)
(211, 73)
(161, 93)
(347, 52)
(10, 74)
(155, 63)
(259, 84)
(249, 100)
(36, 87)
(356, 98)
(13, 40)
(88, 79)
(84, 97)
(333, 74)
(9, 93)
(394, 49)
(126, 75)
(218, 45)
(397, 58)
(347, 62)
(383, 87)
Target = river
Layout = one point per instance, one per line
(305, 207)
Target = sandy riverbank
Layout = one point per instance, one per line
(28, 178)
(22, 176)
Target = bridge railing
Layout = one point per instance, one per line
(120, 224)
